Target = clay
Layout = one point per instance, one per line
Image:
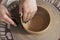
(40, 21)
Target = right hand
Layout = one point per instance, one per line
(27, 9)
(5, 16)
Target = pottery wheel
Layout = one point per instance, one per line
(53, 33)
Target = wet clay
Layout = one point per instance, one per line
(40, 21)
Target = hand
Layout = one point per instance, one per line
(5, 16)
(28, 9)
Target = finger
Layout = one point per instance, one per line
(28, 16)
(25, 16)
(33, 12)
(6, 18)
(4, 21)
(32, 15)
(8, 13)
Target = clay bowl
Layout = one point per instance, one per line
(43, 19)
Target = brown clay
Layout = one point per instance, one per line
(40, 21)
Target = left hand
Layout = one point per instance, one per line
(28, 9)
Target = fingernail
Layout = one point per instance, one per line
(24, 21)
